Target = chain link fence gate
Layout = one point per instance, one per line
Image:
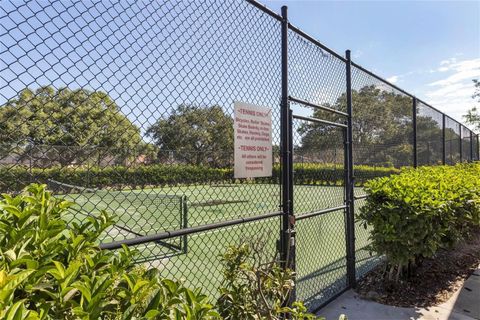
(128, 107)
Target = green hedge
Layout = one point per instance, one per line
(17, 177)
(418, 211)
(328, 174)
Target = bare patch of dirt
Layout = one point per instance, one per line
(431, 284)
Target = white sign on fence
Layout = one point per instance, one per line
(253, 141)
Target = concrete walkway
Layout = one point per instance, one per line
(463, 305)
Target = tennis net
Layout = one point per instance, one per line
(137, 213)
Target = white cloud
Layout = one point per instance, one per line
(393, 79)
(453, 93)
(465, 70)
(454, 90)
(457, 77)
(460, 72)
(357, 54)
(448, 61)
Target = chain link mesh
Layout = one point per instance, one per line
(382, 139)
(475, 147)
(382, 123)
(452, 141)
(318, 77)
(365, 258)
(429, 135)
(466, 146)
(129, 107)
(109, 104)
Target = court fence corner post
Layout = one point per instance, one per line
(349, 194)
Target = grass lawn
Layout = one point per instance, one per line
(320, 246)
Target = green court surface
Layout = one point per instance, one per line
(320, 246)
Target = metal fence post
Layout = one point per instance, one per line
(444, 142)
(291, 253)
(460, 139)
(471, 146)
(478, 148)
(414, 125)
(349, 195)
(287, 233)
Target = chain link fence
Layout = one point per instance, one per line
(129, 107)
(429, 135)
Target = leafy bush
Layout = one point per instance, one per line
(49, 270)
(418, 211)
(330, 174)
(17, 177)
(256, 289)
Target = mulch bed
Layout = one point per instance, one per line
(431, 284)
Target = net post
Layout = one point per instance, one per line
(184, 213)
(349, 187)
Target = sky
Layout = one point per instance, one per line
(429, 48)
(151, 56)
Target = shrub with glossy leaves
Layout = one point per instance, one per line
(419, 211)
(255, 287)
(51, 270)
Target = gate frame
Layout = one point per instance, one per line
(287, 234)
(350, 179)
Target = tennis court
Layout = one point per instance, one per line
(195, 258)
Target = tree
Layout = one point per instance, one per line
(67, 126)
(195, 135)
(429, 140)
(473, 117)
(382, 128)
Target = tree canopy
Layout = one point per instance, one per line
(382, 131)
(67, 125)
(473, 117)
(195, 135)
(382, 128)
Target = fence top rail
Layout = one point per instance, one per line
(356, 65)
(265, 9)
(429, 105)
(315, 41)
(296, 29)
(451, 119)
